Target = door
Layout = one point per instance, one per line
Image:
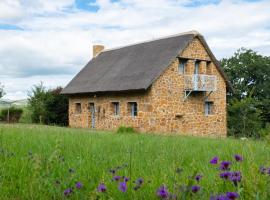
(92, 114)
(196, 75)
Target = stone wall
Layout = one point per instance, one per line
(162, 108)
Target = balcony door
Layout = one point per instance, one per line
(196, 77)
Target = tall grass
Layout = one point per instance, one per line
(40, 162)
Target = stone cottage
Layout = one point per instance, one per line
(167, 85)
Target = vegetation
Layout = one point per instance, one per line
(125, 129)
(11, 114)
(48, 106)
(42, 162)
(1, 90)
(249, 104)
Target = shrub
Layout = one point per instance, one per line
(125, 129)
(14, 114)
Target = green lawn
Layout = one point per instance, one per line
(35, 163)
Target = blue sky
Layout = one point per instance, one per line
(52, 40)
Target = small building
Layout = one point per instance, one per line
(167, 85)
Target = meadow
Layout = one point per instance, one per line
(43, 162)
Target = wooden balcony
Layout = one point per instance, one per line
(200, 82)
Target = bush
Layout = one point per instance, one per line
(14, 114)
(125, 129)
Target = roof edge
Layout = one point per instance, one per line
(192, 32)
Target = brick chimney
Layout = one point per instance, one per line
(97, 49)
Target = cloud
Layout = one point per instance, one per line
(54, 38)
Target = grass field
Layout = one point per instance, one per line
(41, 162)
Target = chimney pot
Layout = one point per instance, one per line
(97, 49)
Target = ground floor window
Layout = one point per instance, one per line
(116, 108)
(78, 108)
(208, 108)
(133, 108)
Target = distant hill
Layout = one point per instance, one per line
(19, 103)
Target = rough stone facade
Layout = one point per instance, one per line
(163, 108)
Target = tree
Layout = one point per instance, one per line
(2, 93)
(48, 106)
(249, 74)
(37, 99)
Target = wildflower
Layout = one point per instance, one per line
(195, 188)
(79, 185)
(268, 171)
(214, 160)
(102, 188)
(126, 179)
(225, 165)
(198, 177)
(139, 181)
(68, 192)
(122, 186)
(238, 158)
(219, 197)
(232, 195)
(225, 175)
(263, 170)
(116, 178)
(235, 177)
(162, 192)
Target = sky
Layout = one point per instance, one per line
(50, 41)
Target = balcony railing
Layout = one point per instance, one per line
(200, 82)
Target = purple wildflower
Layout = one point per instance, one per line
(268, 171)
(232, 195)
(238, 158)
(263, 170)
(68, 192)
(139, 181)
(214, 160)
(116, 178)
(225, 165)
(162, 192)
(102, 188)
(195, 188)
(122, 186)
(126, 179)
(78, 185)
(225, 175)
(219, 197)
(198, 177)
(236, 177)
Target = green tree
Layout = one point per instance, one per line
(249, 73)
(37, 102)
(2, 93)
(48, 106)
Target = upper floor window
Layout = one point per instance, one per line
(182, 66)
(133, 108)
(78, 108)
(116, 108)
(208, 108)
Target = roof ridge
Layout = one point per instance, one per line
(193, 32)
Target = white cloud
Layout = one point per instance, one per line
(57, 36)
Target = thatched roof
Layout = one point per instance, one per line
(132, 68)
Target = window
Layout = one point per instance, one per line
(78, 108)
(133, 108)
(182, 66)
(116, 108)
(208, 108)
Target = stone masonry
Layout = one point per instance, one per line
(162, 108)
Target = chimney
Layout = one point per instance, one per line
(97, 49)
